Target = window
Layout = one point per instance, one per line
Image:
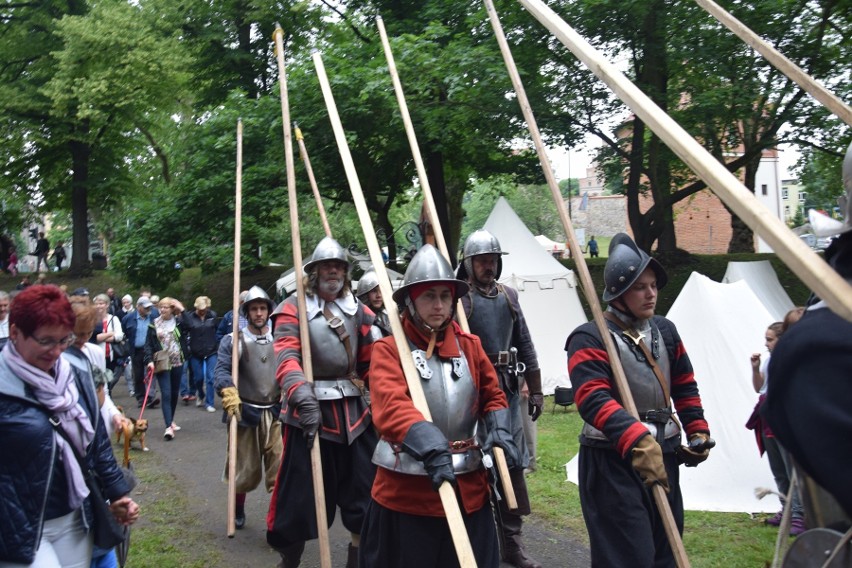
(786, 211)
(785, 193)
(764, 189)
(802, 196)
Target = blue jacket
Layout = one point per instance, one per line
(30, 466)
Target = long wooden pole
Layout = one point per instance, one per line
(303, 152)
(432, 213)
(307, 366)
(235, 356)
(816, 89)
(412, 378)
(807, 265)
(619, 377)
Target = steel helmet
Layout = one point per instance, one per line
(327, 249)
(625, 264)
(367, 282)
(429, 265)
(256, 293)
(479, 242)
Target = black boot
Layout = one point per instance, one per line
(352, 556)
(513, 547)
(292, 555)
(240, 517)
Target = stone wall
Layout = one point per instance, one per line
(602, 215)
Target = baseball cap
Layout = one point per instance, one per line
(145, 302)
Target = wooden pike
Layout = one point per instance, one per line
(307, 366)
(448, 496)
(303, 152)
(235, 354)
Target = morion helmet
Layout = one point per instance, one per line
(428, 265)
(368, 281)
(625, 264)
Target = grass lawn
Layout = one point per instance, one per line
(711, 539)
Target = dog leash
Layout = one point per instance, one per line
(149, 379)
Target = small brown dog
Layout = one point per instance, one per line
(133, 430)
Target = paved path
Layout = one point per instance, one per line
(196, 457)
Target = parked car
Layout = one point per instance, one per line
(816, 243)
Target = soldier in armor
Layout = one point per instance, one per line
(341, 335)
(621, 458)
(405, 524)
(495, 315)
(256, 402)
(371, 295)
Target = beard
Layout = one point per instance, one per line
(330, 288)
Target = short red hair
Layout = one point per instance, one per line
(39, 306)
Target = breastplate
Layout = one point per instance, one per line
(328, 353)
(644, 385)
(452, 398)
(257, 370)
(491, 319)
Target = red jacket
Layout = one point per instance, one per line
(394, 413)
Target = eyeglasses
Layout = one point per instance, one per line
(51, 343)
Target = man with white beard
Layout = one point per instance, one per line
(341, 335)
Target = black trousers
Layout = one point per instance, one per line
(391, 539)
(348, 473)
(625, 528)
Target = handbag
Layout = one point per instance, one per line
(107, 531)
(120, 349)
(162, 362)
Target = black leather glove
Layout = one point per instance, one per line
(499, 426)
(536, 399)
(697, 451)
(426, 442)
(307, 408)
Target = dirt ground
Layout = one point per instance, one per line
(196, 457)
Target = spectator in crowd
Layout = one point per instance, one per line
(12, 264)
(108, 331)
(226, 325)
(24, 283)
(44, 490)
(114, 302)
(199, 326)
(41, 251)
(168, 338)
(59, 255)
(135, 325)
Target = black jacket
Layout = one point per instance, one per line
(30, 470)
(200, 333)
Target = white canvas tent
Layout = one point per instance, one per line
(721, 325)
(546, 289)
(761, 278)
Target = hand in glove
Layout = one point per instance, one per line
(536, 398)
(231, 402)
(647, 460)
(498, 423)
(307, 408)
(426, 442)
(697, 451)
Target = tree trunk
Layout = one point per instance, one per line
(435, 175)
(742, 237)
(80, 154)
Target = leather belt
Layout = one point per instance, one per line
(457, 446)
(499, 358)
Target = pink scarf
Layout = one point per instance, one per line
(59, 395)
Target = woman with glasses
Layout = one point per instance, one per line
(45, 522)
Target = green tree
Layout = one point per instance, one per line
(84, 101)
